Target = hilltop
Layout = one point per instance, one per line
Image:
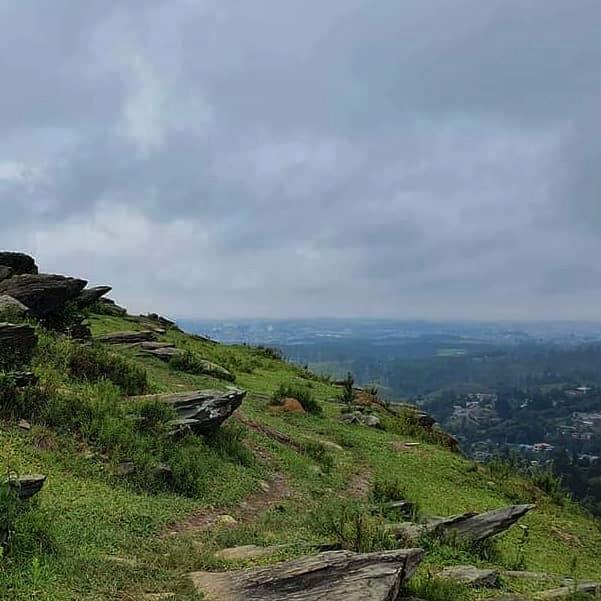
(168, 456)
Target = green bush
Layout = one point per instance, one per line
(318, 452)
(191, 363)
(429, 587)
(94, 363)
(301, 393)
(354, 528)
(27, 403)
(385, 490)
(228, 443)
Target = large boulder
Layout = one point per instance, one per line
(203, 411)
(109, 307)
(331, 576)
(44, 294)
(18, 262)
(89, 296)
(11, 308)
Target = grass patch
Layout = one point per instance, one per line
(302, 394)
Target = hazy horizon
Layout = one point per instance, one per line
(393, 159)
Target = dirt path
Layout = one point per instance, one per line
(273, 491)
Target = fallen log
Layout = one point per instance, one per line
(331, 576)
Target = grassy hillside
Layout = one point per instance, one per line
(100, 531)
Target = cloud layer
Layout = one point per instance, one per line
(300, 158)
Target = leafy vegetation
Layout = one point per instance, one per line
(302, 394)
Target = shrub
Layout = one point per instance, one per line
(269, 352)
(439, 589)
(354, 528)
(94, 363)
(228, 442)
(28, 402)
(550, 483)
(301, 393)
(385, 490)
(318, 452)
(348, 392)
(193, 364)
(155, 415)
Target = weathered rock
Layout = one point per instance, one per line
(18, 262)
(472, 526)
(110, 307)
(5, 272)
(167, 323)
(472, 576)
(151, 346)
(11, 308)
(164, 353)
(27, 486)
(127, 337)
(17, 342)
(44, 293)
(356, 417)
(216, 371)
(89, 296)
(592, 588)
(332, 576)
(24, 424)
(291, 405)
(203, 410)
(248, 552)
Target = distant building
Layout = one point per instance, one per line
(543, 447)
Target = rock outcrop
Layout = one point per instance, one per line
(203, 411)
(17, 342)
(475, 527)
(110, 307)
(11, 308)
(5, 272)
(43, 294)
(89, 296)
(472, 576)
(27, 486)
(128, 337)
(18, 262)
(332, 576)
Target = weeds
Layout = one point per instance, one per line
(354, 528)
(432, 588)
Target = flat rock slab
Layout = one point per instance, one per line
(471, 526)
(593, 588)
(471, 576)
(165, 353)
(151, 346)
(248, 552)
(127, 337)
(28, 486)
(42, 293)
(332, 576)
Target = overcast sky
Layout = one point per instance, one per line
(278, 158)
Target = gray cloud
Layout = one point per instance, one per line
(423, 159)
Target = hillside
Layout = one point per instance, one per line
(130, 508)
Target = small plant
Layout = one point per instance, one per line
(385, 490)
(354, 528)
(228, 442)
(430, 587)
(348, 392)
(520, 559)
(193, 364)
(318, 452)
(301, 393)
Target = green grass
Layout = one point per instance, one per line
(94, 534)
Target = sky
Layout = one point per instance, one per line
(437, 159)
